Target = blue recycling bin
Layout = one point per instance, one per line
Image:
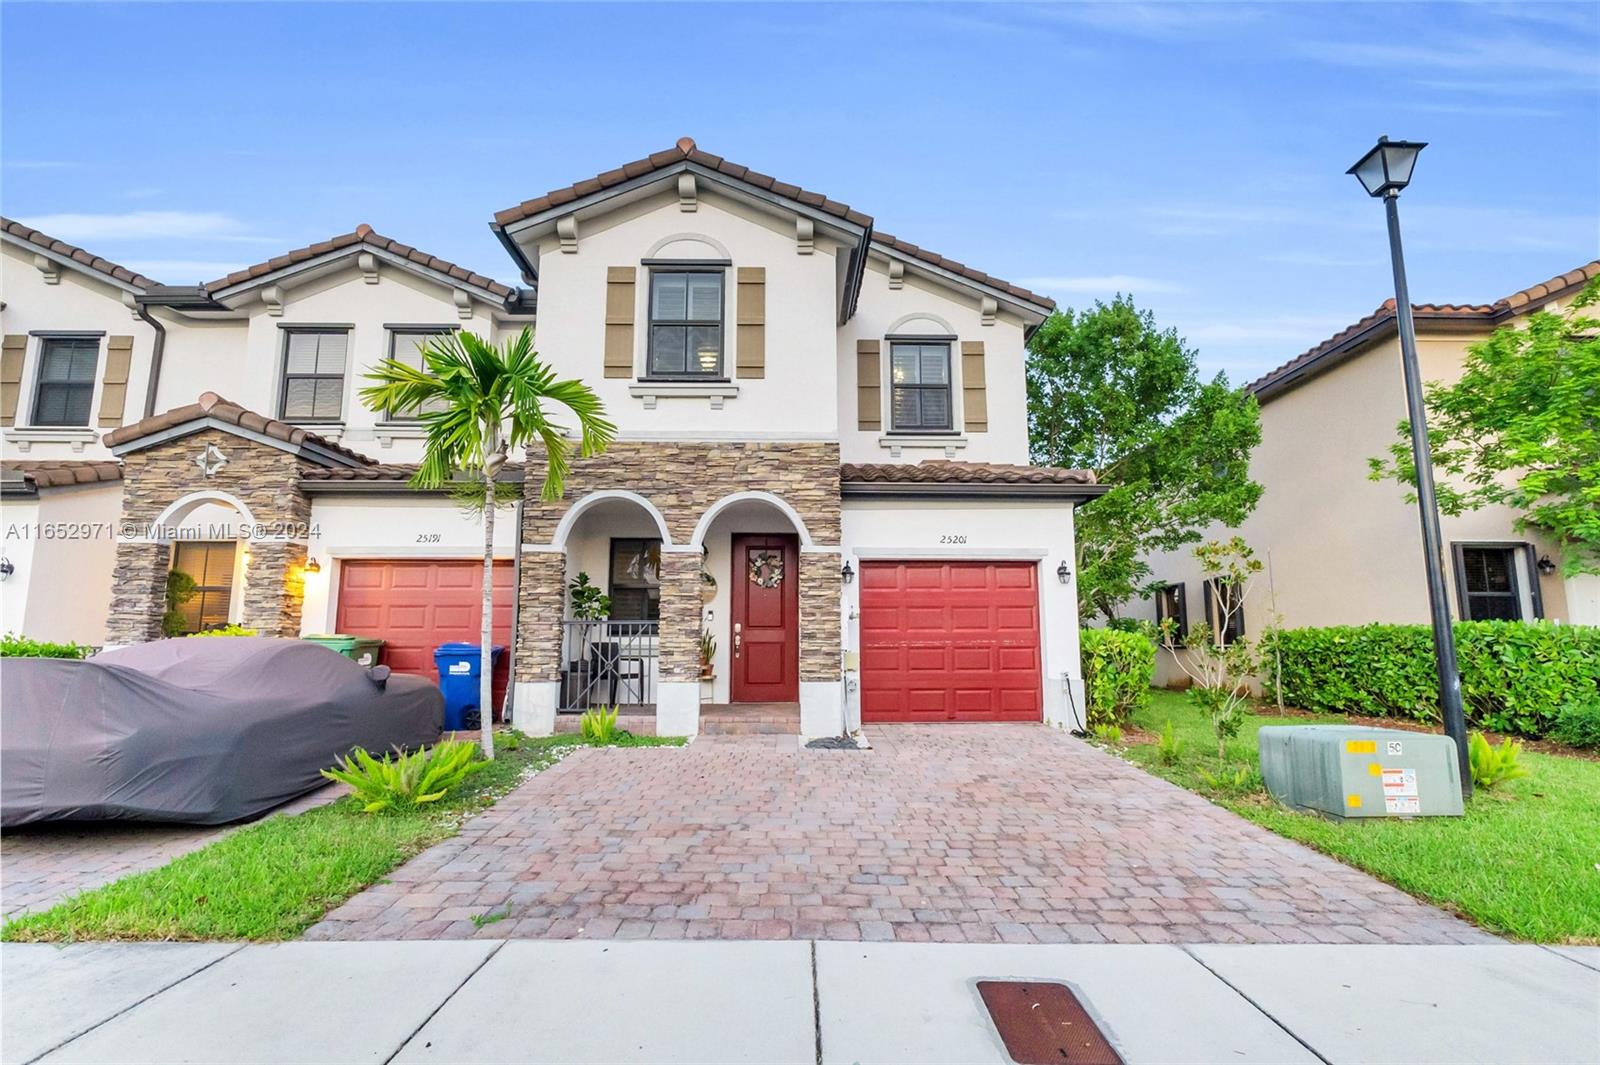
(458, 680)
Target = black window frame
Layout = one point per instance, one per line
(651, 373)
(47, 342)
(289, 333)
(651, 598)
(399, 330)
(948, 388)
(202, 591)
(1214, 596)
(1509, 549)
(1178, 609)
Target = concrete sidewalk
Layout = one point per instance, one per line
(609, 1001)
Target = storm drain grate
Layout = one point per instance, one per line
(1043, 1023)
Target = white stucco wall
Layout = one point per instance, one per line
(923, 307)
(794, 400)
(384, 526)
(63, 546)
(78, 302)
(1041, 533)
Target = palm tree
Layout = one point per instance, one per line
(478, 401)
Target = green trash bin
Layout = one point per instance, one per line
(363, 649)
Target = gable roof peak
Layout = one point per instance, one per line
(686, 145)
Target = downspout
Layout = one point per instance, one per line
(155, 357)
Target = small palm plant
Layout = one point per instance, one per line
(403, 781)
(477, 401)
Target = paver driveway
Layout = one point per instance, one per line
(967, 833)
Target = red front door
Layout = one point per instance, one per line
(766, 619)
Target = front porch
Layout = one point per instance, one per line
(654, 588)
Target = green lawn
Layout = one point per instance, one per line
(275, 878)
(1524, 861)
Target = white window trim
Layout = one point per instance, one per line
(718, 392)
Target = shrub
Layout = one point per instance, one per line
(226, 630)
(1515, 675)
(14, 646)
(1493, 765)
(1118, 669)
(405, 781)
(1169, 748)
(599, 726)
(1110, 735)
(180, 589)
(1579, 723)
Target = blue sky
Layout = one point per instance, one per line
(1192, 155)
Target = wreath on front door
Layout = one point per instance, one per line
(766, 568)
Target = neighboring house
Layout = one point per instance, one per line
(821, 460)
(1346, 550)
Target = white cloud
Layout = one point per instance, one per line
(1105, 284)
(184, 271)
(145, 225)
(38, 164)
(1488, 110)
(1297, 331)
(1313, 258)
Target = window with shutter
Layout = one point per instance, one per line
(919, 376)
(685, 323)
(65, 389)
(313, 375)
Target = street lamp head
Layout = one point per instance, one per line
(1386, 169)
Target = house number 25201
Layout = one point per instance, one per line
(952, 538)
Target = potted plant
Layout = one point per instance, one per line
(708, 650)
(589, 603)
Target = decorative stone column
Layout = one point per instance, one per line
(274, 587)
(541, 605)
(138, 593)
(822, 702)
(678, 689)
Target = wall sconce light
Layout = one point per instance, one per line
(1063, 573)
(847, 572)
(313, 566)
(1546, 567)
(6, 568)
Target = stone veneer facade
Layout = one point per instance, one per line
(683, 480)
(264, 478)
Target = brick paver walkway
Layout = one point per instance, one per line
(42, 864)
(965, 833)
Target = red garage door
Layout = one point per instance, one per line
(415, 605)
(950, 641)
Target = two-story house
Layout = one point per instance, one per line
(818, 497)
(1345, 550)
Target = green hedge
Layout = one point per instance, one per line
(14, 646)
(1118, 669)
(1515, 676)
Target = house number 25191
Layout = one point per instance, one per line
(952, 538)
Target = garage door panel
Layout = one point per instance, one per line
(414, 605)
(952, 641)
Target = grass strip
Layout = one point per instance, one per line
(273, 879)
(1524, 860)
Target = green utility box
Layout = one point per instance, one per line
(364, 649)
(1353, 771)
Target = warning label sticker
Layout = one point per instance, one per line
(1400, 791)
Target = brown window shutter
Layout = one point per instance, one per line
(114, 389)
(16, 347)
(752, 321)
(974, 400)
(869, 386)
(619, 320)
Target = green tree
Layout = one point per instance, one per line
(1110, 392)
(477, 402)
(1521, 429)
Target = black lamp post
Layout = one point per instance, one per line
(1383, 172)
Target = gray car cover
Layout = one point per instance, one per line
(203, 731)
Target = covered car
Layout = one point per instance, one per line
(201, 731)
